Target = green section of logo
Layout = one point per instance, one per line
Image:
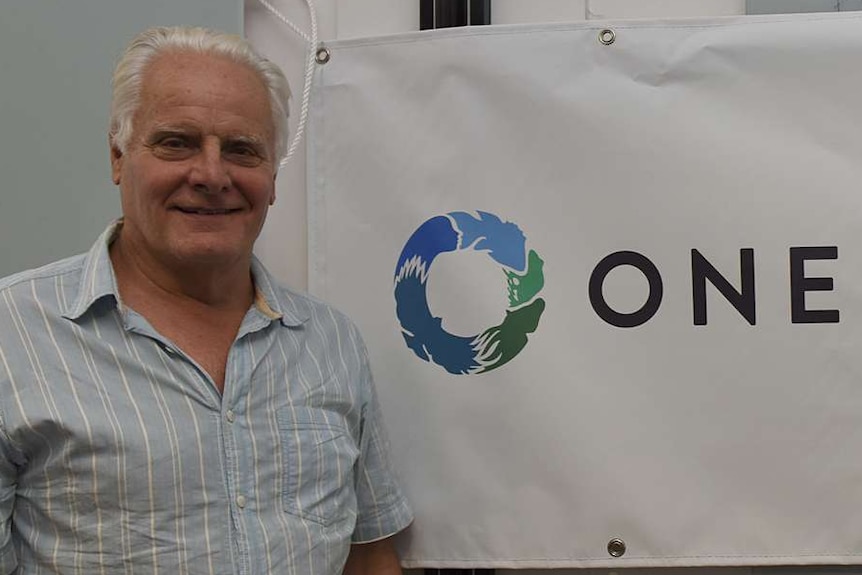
(522, 288)
(500, 344)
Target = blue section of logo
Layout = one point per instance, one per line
(504, 241)
(424, 333)
(431, 239)
(505, 244)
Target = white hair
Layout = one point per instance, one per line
(146, 46)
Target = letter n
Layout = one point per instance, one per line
(743, 300)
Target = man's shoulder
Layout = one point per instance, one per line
(297, 308)
(305, 307)
(30, 301)
(66, 267)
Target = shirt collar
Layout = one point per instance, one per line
(272, 300)
(98, 281)
(97, 276)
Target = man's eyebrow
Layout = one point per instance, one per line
(171, 130)
(244, 139)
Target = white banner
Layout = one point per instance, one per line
(610, 278)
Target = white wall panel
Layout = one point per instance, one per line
(519, 11)
(599, 9)
(376, 17)
(791, 6)
(288, 260)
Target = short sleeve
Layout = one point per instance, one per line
(382, 508)
(8, 482)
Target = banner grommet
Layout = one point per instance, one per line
(607, 36)
(616, 547)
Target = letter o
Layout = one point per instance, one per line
(597, 298)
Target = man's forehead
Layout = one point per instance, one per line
(177, 85)
(181, 67)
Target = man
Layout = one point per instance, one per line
(165, 407)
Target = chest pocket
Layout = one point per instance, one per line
(319, 454)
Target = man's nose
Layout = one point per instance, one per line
(209, 172)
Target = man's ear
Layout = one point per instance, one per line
(116, 161)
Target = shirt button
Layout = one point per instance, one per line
(230, 415)
(240, 501)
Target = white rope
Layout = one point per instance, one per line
(274, 11)
(309, 69)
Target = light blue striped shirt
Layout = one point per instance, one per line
(118, 455)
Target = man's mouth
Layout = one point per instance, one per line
(207, 211)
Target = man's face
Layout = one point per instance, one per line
(198, 175)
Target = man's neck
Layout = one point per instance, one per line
(226, 288)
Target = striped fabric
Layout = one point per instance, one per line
(118, 455)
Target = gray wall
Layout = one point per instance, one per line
(56, 58)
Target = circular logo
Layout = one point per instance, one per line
(505, 243)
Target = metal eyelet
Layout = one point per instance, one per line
(616, 547)
(607, 36)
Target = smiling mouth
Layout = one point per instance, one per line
(207, 211)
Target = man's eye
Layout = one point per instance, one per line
(242, 150)
(173, 143)
(243, 154)
(172, 147)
